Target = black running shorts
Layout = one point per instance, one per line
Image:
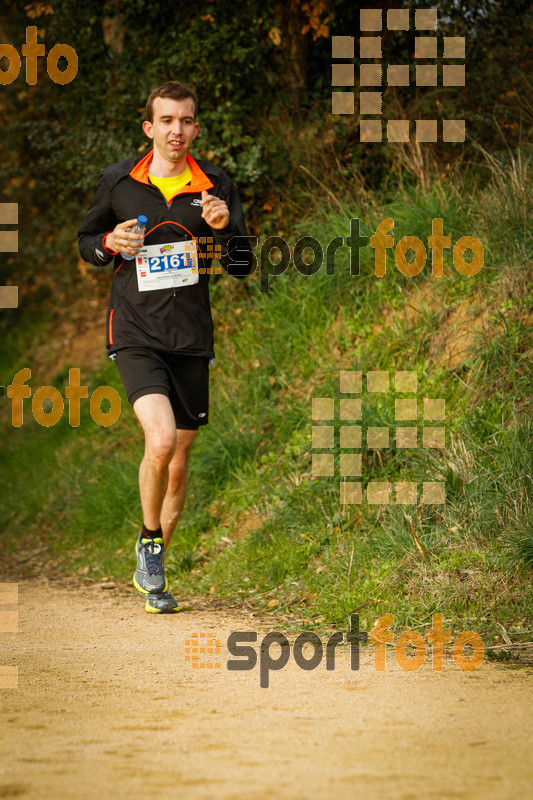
(183, 379)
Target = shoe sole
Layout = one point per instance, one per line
(151, 610)
(145, 592)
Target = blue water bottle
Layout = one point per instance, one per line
(140, 227)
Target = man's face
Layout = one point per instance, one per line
(173, 129)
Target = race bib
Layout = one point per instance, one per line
(166, 266)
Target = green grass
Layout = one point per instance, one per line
(257, 527)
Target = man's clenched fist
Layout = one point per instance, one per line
(215, 211)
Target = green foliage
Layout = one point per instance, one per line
(257, 526)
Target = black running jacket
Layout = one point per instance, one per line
(175, 320)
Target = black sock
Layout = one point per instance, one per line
(146, 533)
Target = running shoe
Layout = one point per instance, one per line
(149, 577)
(160, 603)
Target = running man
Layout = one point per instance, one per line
(159, 325)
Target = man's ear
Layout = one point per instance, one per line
(147, 128)
(196, 129)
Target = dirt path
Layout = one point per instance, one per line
(107, 706)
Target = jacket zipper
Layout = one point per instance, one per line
(168, 208)
(158, 190)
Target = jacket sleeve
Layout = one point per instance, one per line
(99, 221)
(237, 256)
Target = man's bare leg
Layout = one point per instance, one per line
(177, 484)
(155, 414)
(162, 483)
(163, 470)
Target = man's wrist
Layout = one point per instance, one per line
(107, 249)
(228, 228)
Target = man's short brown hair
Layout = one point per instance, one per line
(173, 89)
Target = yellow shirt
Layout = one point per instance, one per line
(170, 186)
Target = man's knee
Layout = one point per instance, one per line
(177, 468)
(160, 447)
(184, 442)
(177, 472)
(155, 414)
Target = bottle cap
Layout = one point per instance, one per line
(142, 220)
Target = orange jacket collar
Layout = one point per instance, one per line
(199, 181)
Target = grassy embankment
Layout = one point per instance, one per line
(258, 528)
